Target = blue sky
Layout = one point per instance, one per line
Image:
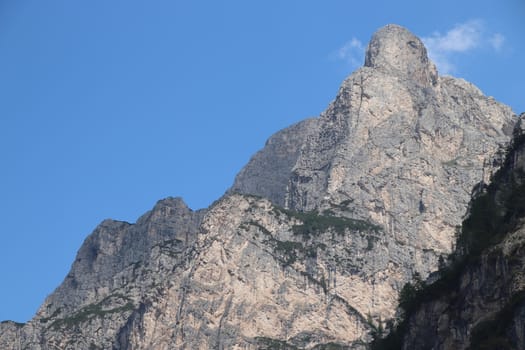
(108, 106)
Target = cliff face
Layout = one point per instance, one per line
(347, 207)
(479, 302)
(485, 311)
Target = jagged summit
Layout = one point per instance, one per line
(394, 56)
(373, 190)
(396, 50)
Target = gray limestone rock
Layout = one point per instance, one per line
(481, 299)
(108, 277)
(396, 51)
(269, 170)
(354, 202)
(114, 246)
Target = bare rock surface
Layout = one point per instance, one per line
(347, 207)
(480, 302)
(269, 170)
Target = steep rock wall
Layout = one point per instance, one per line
(373, 190)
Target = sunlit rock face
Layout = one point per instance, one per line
(347, 207)
(481, 302)
(396, 51)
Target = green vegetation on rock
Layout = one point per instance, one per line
(265, 343)
(313, 223)
(93, 310)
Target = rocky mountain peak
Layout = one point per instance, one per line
(312, 244)
(396, 50)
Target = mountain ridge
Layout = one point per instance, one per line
(347, 208)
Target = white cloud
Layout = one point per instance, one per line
(496, 41)
(462, 38)
(353, 52)
(443, 48)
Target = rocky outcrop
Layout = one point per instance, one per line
(406, 154)
(479, 301)
(254, 280)
(403, 148)
(117, 246)
(107, 278)
(268, 172)
(486, 310)
(348, 207)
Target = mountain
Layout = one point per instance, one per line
(477, 300)
(311, 246)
